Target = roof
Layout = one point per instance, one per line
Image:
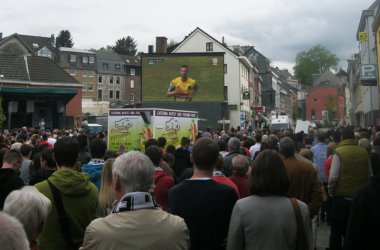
(33, 69)
(283, 74)
(205, 33)
(103, 55)
(74, 50)
(131, 60)
(326, 78)
(32, 43)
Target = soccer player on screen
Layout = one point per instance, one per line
(182, 87)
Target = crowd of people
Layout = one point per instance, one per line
(227, 190)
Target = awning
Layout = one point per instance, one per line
(50, 91)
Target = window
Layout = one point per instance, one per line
(44, 52)
(84, 73)
(111, 79)
(100, 79)
(91, 59)
(72, 72)
(133, 72)
(132, 97)
(225, 68)
(225, 93)
(84, 87)
(105, 66)
(117, 67)
(110, 94)
(35, 45)
(100, 94)
(132, 84)
(73, 58)
(90, 87)
(85, 59)
(118, 80)
(209, 47)
(90, 73)
(117, 94)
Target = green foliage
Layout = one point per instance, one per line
(171, 43)
(64, 39)
(125, 46)
(332, 107)
(107, 48)
(2, 115)
(316, 60)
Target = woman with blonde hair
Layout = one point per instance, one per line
(106, 193)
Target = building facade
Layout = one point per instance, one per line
(30, 94)
(80, 64)
(365, 103)
(325, 98)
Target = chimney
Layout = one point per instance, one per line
(1, 35)
(223, 40)
(150, 49)
(161, 44)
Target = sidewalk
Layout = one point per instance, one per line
(323, 233)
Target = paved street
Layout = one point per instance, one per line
(323, 236)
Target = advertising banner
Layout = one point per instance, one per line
(128, 127)
(133, 127)
(173, 125)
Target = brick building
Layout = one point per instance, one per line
(35, 88)
(325, 97)
(80, 64)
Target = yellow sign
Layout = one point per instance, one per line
(363, 37)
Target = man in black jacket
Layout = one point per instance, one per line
(182, 157)
(205, 204)
(9, 179)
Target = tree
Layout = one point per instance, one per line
(125, 46)
(108, 48)
(316, 60)
(64, 39)
(2, 115)
(171, 43)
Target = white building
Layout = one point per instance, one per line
(365, 98)
(236, 69)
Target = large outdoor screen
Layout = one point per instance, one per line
(183, 77)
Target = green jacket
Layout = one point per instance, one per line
(79, 197)
(354, 164)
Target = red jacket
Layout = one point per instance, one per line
(241, 181)
(224, 180)
(163, 184)
(327, 166)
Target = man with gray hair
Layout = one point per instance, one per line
(233, 150)
(32, 216)
(136, 222)
(12, 236)
(240, 166)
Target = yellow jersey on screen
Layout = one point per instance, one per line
(183, 87)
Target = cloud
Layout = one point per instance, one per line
(278, 28)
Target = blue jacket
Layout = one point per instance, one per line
(94, 169)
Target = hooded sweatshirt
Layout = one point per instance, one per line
(94, 169)
(163, 183)
(9, 181)
(79, 197)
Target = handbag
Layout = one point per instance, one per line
(62, 217)
(301, 242)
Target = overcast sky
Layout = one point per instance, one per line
(277, 28)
